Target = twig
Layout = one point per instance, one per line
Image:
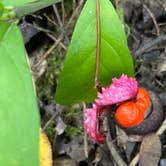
(50, 20)
(63, 11)
(160, 39)
(74, 14)
(61, 24)
(47, 53)
(55, 39)
(85, 136)
(39, 28)
(153, 19)
(135, 160)
(98, 44)
(50, 120)
(85, 145)
(111, 146)
(159, 132)
(162, 128)
(74, 5)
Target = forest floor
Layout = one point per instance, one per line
(47, 35)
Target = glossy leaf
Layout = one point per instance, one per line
(19, 120)
(16, 2)
(1, 9)
(4, 27)
(76, 82)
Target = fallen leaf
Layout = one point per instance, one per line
(61, 126)
(45, 151)
(150, 151)
(64, 161)
(76, 149)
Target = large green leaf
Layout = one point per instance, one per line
(1, 9)
(15, 2)
(19, 120)
(76, 82)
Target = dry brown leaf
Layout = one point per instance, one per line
(61, 126)
(150, 151)
(45, 151)
(65, 161)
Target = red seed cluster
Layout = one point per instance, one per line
(131, 113)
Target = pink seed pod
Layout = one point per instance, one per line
(121, 89)
(92, 125)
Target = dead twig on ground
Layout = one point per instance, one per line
(60, 23)
(51, 119)
(47, 53)
(153, 19)
(159, 132)
(58, 41)
(63, 11)
(111, 146)
(147, 46)
(74, 14)
(85, 136)
(50, 20)
(40, 28)
(55, 40)
(74, 5)
(162, 128)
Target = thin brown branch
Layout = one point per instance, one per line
(153, 19)
(58, 40)
(74, 4)
(85, 136)
(98, 44)
(63, 11)
(60, 23)
(50, 120)
(47, 53)
(74, 14)
(55, 40)
(119, 161)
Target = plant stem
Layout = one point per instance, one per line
(32, 7)
(98, 45)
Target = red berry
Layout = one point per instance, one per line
(143, 99)
(128, 114)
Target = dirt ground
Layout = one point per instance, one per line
(47, 35)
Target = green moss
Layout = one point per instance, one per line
(46, 85)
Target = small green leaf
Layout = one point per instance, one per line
(19, 120)
(76, 82)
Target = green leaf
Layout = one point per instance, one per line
(16, 2)
(18, 10)
(29, 8)
(4, 27)
(1, 9)
(19, 120)
(76, 82)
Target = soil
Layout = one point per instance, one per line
(145, 26)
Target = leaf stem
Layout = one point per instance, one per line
(97, 85)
